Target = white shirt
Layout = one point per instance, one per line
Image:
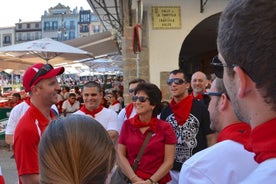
(69, 109)
(106, 117)
(122, 117)
(116, 107)
(226, 162)
(15, 115)
(265, 173)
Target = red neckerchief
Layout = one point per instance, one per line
(238, 132)
(182, 109)
(263, 141)
(135, 121)
(199, 96)
(92, 113)
(115, 102)
(129, 109)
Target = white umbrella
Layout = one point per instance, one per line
(46, 49)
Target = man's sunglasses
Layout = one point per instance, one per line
(141, 98)
(215, 94)
(218, 66)
(131, 90)
(177, 81)
(42, 71)
(212, 93)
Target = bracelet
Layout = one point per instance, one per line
(151, 181)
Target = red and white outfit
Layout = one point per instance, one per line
(26, 139)
(263, 144)
(128, 112)
(16, 114)
(104, 116)
(115, 106)
(225, 162)
(153, 156)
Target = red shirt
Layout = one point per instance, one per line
(26, 139)
(153, 156)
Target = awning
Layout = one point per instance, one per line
(98, 44)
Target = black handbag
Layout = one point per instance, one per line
(118, 176)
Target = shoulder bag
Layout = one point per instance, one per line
(118, 176)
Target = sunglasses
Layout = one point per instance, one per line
(141, 98)
(177, 81)
(216, 94)
(218, 66)
(42, 71)
(212, 93)
(131, 90)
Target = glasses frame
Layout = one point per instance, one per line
(177, 81)
(218, 66)
(213, 93)
(131, 90)
(42, 71)
(140, 98)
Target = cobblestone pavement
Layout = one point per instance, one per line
(8, 165)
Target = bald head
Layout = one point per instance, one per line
(198, 82)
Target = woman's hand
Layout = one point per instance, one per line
(143, 182)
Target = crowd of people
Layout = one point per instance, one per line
(222, 134)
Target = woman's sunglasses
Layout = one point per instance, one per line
(141, 98)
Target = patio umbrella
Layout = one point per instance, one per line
(47, 50)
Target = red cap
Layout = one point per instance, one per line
(31, 72)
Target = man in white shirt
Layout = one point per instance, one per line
(227, 161)
(92, 95)
(129, 111)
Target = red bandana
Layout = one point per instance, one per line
(238, 132)
(198, 97)
(182, 109)
(129, 109)
(92, 113)
(135, 121)
(263, 141)
(115, 102)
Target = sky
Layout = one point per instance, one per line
(31, 10)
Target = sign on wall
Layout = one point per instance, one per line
(166, 17)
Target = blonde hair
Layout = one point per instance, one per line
(75, 150)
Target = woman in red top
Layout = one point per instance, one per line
(158, 156)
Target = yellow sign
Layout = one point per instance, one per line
(166, 17)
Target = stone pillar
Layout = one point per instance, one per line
(129, 57)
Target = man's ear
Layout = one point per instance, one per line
(244, 82)
(223, 102)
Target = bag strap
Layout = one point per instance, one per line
(142, 149)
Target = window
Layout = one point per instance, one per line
(19, 36)
(36, 25)
(7, 40)
(96, 29)
(28, 26)
(55, 25)
(36, 35)
(28, 36)
(72, 25)
(46, 26)
(84, 29)
(19, 26)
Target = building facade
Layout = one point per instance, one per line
(27, 31)
(7, 36)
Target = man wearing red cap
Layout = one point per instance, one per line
(40, 81)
